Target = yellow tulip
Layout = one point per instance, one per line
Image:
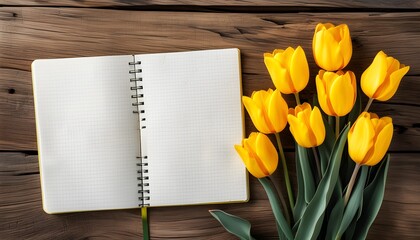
(369, 138)
(336, 92)
(382, 78)
(288, 69)
(268, 110)
(258, 154)
(306, 125)
(332, 46)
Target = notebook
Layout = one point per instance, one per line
(118, 132)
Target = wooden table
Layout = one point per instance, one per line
(32, 29)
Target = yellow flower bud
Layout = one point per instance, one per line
(306, 125)
(268, 110)
(332, 46)
(381, 79)
(258, 154)
(369, 138)
(336, 92)
(288, 69)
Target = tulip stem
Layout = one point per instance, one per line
(337, 126)
(285, 172)
(297, 98)
(318, 167)
(368, 105)
(351, 184)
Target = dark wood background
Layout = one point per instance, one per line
(32, 29)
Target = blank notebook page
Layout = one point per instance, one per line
(87, 133)
(193, 112)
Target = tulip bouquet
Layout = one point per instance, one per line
(341, 160)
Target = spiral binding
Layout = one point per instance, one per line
(136, 85)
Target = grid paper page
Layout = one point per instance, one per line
(192, 103)
(87, 134)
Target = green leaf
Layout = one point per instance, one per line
(354, 202)
(308, 179)
(300, 204)
(233, 224)
(275, 205)
(316, 208)
(336, 215)
(372, 200)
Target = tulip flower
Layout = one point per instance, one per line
(268, 110)
(369, 138)
(382, 78)
(288, 69)
(336, 92)
(368, 141)
(331, 46)
(306, 125)
(258, 154)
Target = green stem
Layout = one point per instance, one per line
(145, 223)
(318, 167)
(285, 173)
(337, 127)
(274, 197)
(297, 98)
(368, 105)
(351, 184)
(331, 121)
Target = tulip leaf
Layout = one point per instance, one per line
(273, 198)
(372, 200)
(354, 203)
(308, 179)
(336, 214)
(316, 208)
(300, 204)
(233, 224)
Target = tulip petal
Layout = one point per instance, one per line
(389, 88)
(342, 95)
(393, 64)
(278, 75)
(326, 50)
(299, 131)
(322, 95)
(345, 44)
(253, 167)
(299, 70)
(241, 151)
(360, 138)
(249, 162)
(317, 126)
(267, 153)
(374, 75)
(256, 114)
(277, 111)
(285, 57)
(381, 146)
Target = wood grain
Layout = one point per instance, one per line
(30, 33)
(22, 216)
(221, 4)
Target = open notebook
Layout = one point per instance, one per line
(119, 132)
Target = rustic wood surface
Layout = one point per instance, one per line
(52, 29)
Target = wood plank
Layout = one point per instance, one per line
(32, 33)
(22, 217)
(221, 4)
